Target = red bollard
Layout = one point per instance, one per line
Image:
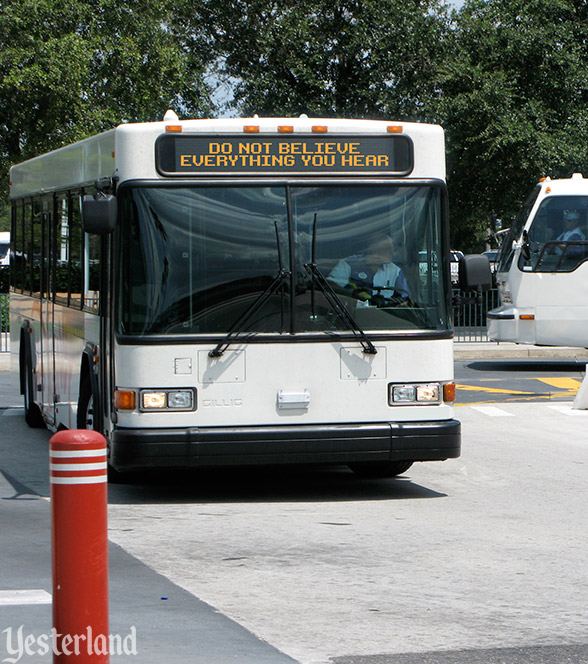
(79, 537)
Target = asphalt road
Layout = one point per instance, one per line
(500, 380)
(478, 560)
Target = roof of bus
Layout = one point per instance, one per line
(574, 184)
(127, 151)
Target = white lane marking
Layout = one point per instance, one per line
(568, 410)
(12, 412)
(492, 411)
(18, 597)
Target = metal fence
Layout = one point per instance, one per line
(469, 318)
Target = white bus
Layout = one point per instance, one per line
(179, 286)
(542, 274)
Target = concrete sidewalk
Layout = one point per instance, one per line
(169, 623)
(475, 350)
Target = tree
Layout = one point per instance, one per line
(71, 68)
(514, 104)
(349, 58)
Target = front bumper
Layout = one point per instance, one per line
(132, 449)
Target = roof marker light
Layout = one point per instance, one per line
(251, 129)
(320, 129)
(173, 128)
(395, 129)
(285, 129)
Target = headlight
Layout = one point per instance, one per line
(167, 400)
(403, 393)
(415, 394)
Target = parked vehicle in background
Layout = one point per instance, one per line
(454, 257)
(4, 248)
(542, 274)
(493, 256)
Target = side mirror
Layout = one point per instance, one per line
(526, 247)
(475, 273)
(99, 214)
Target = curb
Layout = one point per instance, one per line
(491, 350)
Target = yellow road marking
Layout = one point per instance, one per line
(563, 383)
(494, 390)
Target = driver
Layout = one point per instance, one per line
(372, 276)
(572, 231)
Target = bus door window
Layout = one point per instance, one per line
(76, 254)
(92, 245)
(48, 249)
(62, 250)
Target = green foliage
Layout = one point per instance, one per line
(514, 104)
(506, 78)
(4, 216)
(349, 58)
(4, 281)
(71, 68)
(4, 311)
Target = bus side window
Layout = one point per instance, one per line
(92, 272)
(27, 250)
(75, 257)
(37, 241)
(17, 250)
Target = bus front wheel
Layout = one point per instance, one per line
(375, 469)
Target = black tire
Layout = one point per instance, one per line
(33, 415)
(375, 469)
(85, 418)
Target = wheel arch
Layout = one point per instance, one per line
(88, 366)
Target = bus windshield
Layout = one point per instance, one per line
(196, 259)
(557, 235)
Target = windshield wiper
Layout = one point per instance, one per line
(334, 300)
(238, 325)
(229, 338)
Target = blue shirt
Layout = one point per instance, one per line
(353, 272)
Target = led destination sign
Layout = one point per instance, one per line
(262, 154)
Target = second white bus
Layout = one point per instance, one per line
(542, 274)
